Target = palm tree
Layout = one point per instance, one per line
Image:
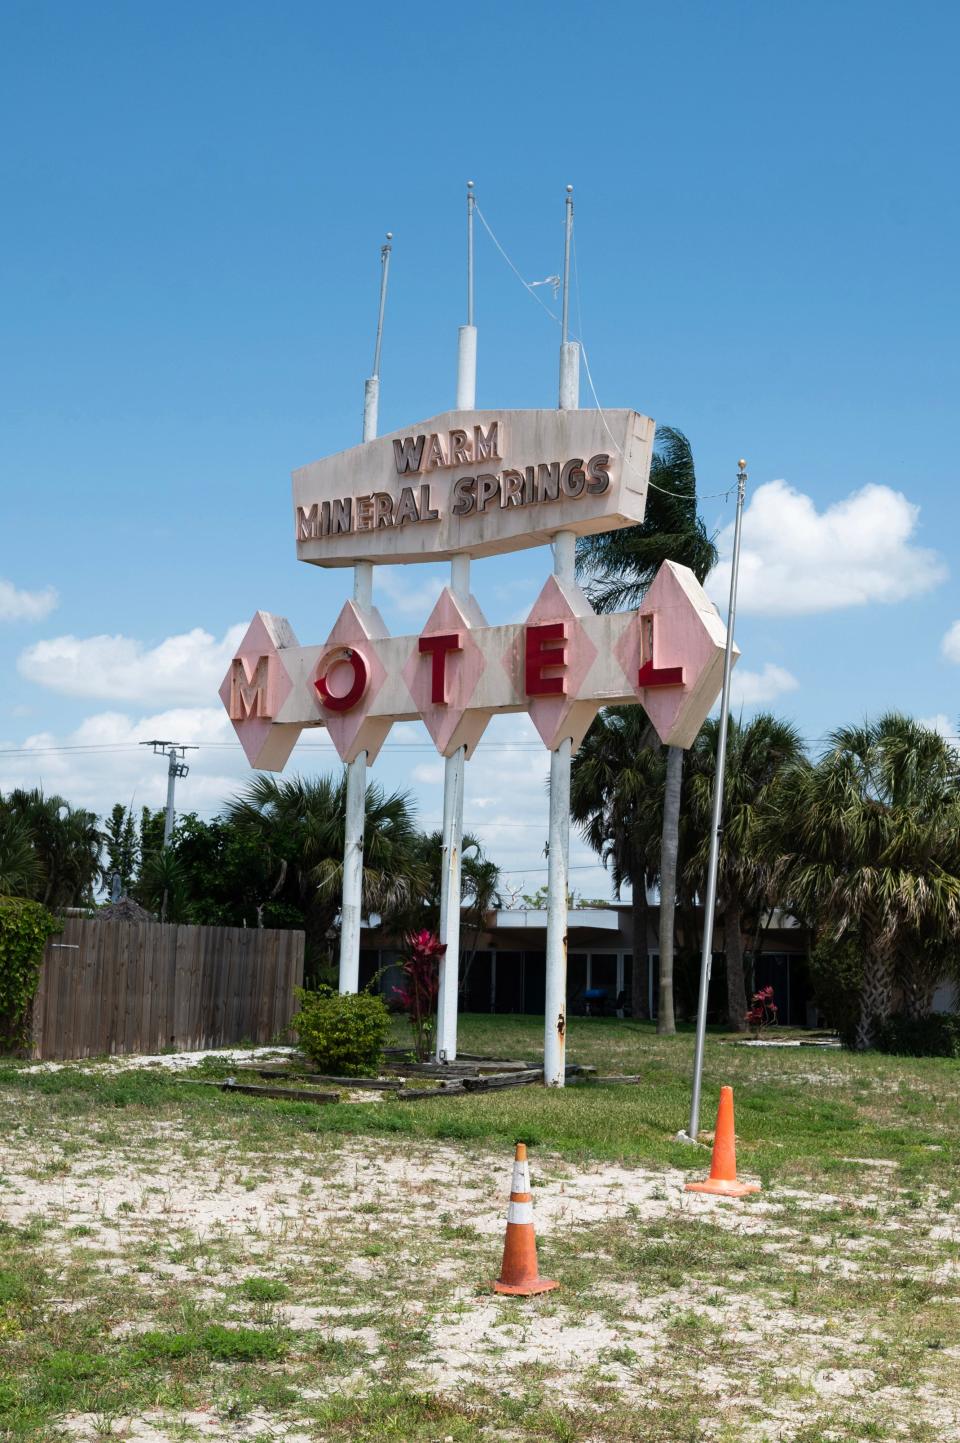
(620, 566)
(481, 885)
(871, 845)
(21, 872)
(300, 825)
(616, 797)
(67, 842)
(759, 754)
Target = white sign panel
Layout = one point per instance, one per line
(475, 483)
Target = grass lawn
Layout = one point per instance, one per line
(176, 1263)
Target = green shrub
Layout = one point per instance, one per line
(935, 1036)
(343, 1035)
(836, 976)
(24, 929)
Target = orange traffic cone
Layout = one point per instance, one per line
(723, 1167)
(518, 1271)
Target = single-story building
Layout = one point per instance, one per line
(605, 971)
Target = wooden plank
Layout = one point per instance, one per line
(417, 1094)
(38, 1011)
(48, 1043)
(121, 953)
(184, 1024)
(207, 947)
(274, 963)
(97, 992)
(506, 1079)
(220, 941)
(376, 1084)
(289, 1094)
(237, 953)
(282, 1003)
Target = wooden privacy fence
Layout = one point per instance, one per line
(141, 987)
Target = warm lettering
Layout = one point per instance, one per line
(435, 455)
(485, 447)
(408, 454)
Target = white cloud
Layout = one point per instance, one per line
(940, 723)
(751, 688)
(181, 669)
(429, 774)
(392, 584)
(25, 605)
(950, 646)
(796, 560)
(101, 761)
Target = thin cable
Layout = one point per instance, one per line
(527, 286)
(664, 491)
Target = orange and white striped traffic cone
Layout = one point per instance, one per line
(518, 1271)
(722, 1181)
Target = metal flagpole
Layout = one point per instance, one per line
(351, 910)
(710, 901)
(453, 767)
(558, 846)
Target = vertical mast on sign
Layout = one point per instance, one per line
(453, 769)
(351, 910)
(558, 847)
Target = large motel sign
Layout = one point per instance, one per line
(471, 484)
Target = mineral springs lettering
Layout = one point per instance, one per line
(531, 486)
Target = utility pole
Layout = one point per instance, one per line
(176, 767)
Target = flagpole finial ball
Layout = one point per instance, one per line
(389, 235)
(742, 464)
(469, 185)
(569, 189)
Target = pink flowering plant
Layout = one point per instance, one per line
(763, 1011)
(421, 983)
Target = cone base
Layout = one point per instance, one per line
(523, 1290)
(719, 1188)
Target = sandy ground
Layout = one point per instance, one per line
(150, 1186)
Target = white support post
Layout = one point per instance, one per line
(555, 998)
(351, 907)
(454, 766)
(558, 845)
(351, 910)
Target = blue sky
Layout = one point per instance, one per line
(767, 231)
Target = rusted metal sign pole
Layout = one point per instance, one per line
(558, 845)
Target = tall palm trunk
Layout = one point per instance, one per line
(666, 1023)
(640, 990)
(876, 997)
(733, 943)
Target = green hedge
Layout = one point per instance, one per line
(344, 1035)
(24, 929)
(935, 1036)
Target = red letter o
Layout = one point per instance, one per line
(345, 702)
